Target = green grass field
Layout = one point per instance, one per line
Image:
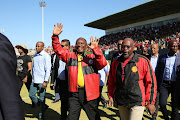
(53, 112)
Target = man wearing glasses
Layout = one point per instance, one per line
(60, 75)
(132, 83)
(117, 54)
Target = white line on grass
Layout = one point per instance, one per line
(25, 98)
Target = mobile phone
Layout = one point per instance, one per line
(148, 112)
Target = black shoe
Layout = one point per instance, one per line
(55, 101)
(46, 107)
(63, 118)
(33, 105)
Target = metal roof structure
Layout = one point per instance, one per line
(149, 10)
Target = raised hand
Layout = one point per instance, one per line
(57, 30)
(94, 43)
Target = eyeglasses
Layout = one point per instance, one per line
(63, 45)
(20, 47)
(128, 46)
(174, 46)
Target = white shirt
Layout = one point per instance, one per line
(169, 70)
(61, 70)
(103, 74)
(41, 67)
(154, 61)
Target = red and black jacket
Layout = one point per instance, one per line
(91, 63)
(139, 85)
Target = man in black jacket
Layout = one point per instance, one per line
(54, 86)
(177, 92)
(132, 83)
(166, 79)
(153, 57)
(117, 54)
(11, 107)
(59, 74)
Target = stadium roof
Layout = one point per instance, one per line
(142, 12)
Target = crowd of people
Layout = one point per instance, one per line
(166, 70)
(135, 82)
(145, 36)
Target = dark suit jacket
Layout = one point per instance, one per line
(11, 106)
(177, 99)
(54, 72)
(161, 65)
(55, 68)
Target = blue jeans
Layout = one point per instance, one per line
(32, 94)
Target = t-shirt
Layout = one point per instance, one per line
(22, 66)
(124, 64)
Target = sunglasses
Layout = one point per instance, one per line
(128, 46)
(63, 45)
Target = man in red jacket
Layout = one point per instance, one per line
(132, 83)
(83, 74)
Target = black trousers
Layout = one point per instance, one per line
(77, 100)
(101, 98)
(28, 83)
(57, 85)
(166, 88)
(64, 94)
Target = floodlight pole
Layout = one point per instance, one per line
(42, 4)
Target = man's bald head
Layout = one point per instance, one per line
(81, 45)
(170, 43)
(129, 39)
(155, 45)
(154, 49)
(39, 46)
(41, 43)
(81, 38)
(173, 47)
(128, 47)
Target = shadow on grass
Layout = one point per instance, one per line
(114, 110)
(146, 117)
(169, 114)
(111, 117)
(169, 104)
(49, 114)
(49, 96)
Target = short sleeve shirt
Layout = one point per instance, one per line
(22, 66)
